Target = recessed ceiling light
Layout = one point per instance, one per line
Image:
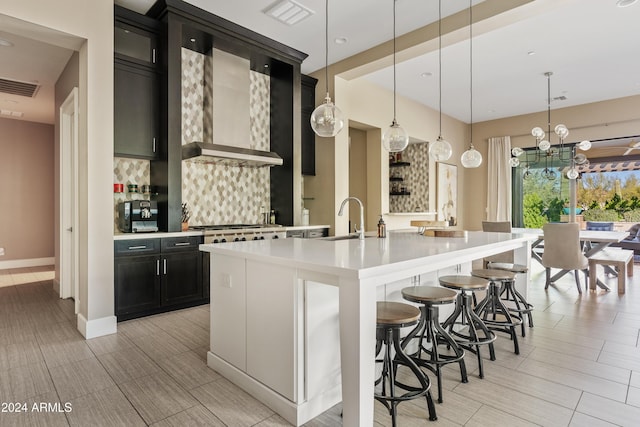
(426, 74)
(625, 3)
(341, 40)
(192, 40)
(6, 43)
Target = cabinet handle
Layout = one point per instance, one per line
(164, 262)
(137, 247)
(154, 144)
(183, 244)
(153, 55)
(157, 267)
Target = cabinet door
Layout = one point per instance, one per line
(308, 137)
(181, 277)
(134, 44)
(137, 281)
(135, 112)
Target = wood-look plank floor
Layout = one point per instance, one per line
(579, 366)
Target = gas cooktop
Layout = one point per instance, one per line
(230, 226)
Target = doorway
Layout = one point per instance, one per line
(68, 201)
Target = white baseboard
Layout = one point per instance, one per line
(97, 327)
(22, 263)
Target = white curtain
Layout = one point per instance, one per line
(499, 179)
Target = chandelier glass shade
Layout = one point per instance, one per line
(544, 150)
(327, 119)
(395, 138)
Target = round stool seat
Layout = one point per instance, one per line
(514, 268)
(494, 275)
(429, 295)
(459, 282)
(396, 313)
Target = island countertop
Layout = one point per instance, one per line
(292, 275)
(372, 256)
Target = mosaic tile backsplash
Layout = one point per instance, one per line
(129, 171)
(219, 193)
(415, 178)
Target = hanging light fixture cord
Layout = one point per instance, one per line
(394, 61)
(326, 46)
(470, 74)
(440, 63)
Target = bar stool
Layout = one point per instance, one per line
(476, 333)
(430, 330)
(511, 294)
(492, 310)
(391, 317)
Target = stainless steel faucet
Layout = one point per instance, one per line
(361, 230)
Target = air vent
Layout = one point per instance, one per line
(15, 87)
(288, 12)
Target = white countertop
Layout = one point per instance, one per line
(400, 249)
(156, 235)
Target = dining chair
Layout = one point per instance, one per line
(562, 250)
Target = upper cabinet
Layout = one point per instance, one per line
(136, 86)
(308, 139)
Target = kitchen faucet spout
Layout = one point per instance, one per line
(344, 202)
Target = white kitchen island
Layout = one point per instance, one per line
(293, 320)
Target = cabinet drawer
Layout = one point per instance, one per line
(173, 244)
(136, 247)
(295, 233)
(319, 232)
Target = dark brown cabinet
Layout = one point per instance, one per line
(136, 114)
(136, 86)
(156, 275)
(308, 138)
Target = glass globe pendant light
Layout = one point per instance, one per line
(472, 157)
(440, 150)
(395, 138)
(327, 120)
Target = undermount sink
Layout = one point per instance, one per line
(347, 237)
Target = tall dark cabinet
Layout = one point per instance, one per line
(308, 137)
(136, 86)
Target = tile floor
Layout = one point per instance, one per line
(579, 366)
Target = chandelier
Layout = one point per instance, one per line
(544, 151)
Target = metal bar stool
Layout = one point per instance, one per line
(429, 330)
(492, 310)
(510, 294)
(464, 325)
(391, 317)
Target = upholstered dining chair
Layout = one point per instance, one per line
(562, 250)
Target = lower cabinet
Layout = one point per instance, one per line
(310, 233)
(156, 275)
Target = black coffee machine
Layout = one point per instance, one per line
(138, 216)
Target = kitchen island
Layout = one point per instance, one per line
(293, 321)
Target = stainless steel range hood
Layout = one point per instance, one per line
(225, 154)
(228, 132)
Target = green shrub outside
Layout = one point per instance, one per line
(600, 215)
(632, 216)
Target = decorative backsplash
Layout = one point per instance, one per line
(216, 193)
(415, 178)
(129, 171)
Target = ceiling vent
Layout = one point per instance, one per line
(288, 12)
(15, 87)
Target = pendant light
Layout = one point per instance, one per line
(472, 157)
(394, 138)
(440, 150)
(326, 119)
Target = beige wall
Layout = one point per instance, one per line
(26, 190)
(371, 107)
(607, 119)
(87, 28)
(358, 174)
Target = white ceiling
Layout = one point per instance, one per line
(591, 46)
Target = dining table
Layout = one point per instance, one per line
(593, 241)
